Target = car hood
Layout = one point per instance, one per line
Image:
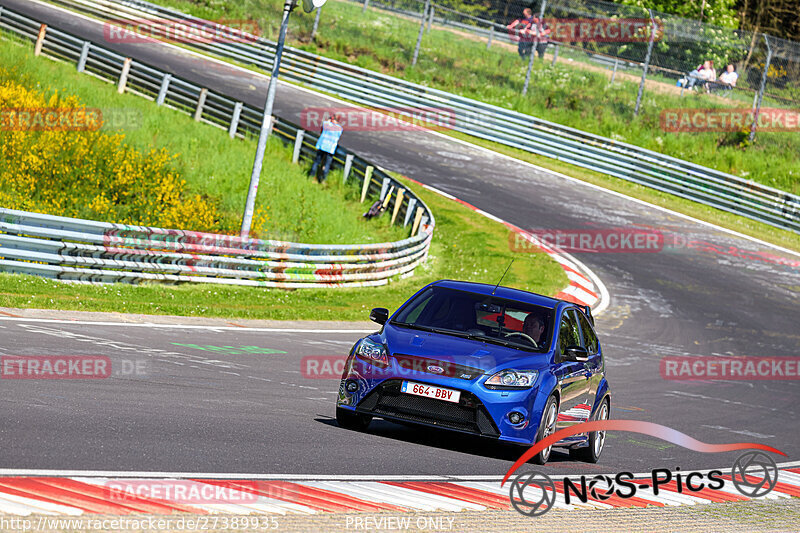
(467, 352)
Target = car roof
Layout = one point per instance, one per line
(502, 292)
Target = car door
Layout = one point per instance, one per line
(595, 366)
(573, 378)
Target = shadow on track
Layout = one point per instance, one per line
(447, 440)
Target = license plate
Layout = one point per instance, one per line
(430, 391)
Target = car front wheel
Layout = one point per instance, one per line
(546, 428)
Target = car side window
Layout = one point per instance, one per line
(589, 336)
(568, 333)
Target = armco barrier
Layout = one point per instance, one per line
(84, 250)
(658, 171)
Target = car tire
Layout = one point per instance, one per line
(350, 420)
(597, 439)
(547, 426)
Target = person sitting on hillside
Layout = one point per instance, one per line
(704, 74)
(727, 80)
(524, 32)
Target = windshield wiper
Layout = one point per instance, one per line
(455, 333)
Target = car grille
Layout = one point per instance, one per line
(451, 369)
(468, 415)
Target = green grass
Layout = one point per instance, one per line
(566, 94)
(466, 246)
(292, 206)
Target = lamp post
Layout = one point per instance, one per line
(266, 124)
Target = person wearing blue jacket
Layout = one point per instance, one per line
(326, 147)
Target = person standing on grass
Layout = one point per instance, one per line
(525, 35)
(326, 146)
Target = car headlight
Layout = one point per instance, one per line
(512, 379)
(373, 352)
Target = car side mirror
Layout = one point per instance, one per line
(379, 315)
(576, 354)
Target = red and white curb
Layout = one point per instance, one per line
(584, 288)
(88, 494)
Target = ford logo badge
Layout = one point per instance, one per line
(435, 369)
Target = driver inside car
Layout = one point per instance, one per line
(533, 326)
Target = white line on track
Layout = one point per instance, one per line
(6, 472)
(182, 326)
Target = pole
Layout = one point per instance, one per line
(421, 30)
(646, 63)
(491, 34)
(316, 24)
(539, 31)
(761, 89)
(530, 67)
(266, 124)
(364, 7)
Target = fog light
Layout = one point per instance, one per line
(516, 417)
(351, 386)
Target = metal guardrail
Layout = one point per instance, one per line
(645, 167)
(84, 250)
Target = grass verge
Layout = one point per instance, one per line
(466, 246)
(289, 206)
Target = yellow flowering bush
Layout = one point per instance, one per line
(89, 173)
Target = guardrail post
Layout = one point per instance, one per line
(384, 188)
(614, 74)
(201, 103)
(367, 179)
(123, 77)
(646, 63)
(409, 211)
(430, 18)
(398, 201)
(417, 220)
(348, 165)
(555, 55)
(37, 49)
(162, 92)
(237, 113)
(84, 56)
(491, 35)
(298, 145)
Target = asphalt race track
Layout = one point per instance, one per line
(201, 410)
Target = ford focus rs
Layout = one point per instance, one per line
(487, 360)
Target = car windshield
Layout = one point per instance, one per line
(480, 317)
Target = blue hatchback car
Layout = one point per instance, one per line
(481, 359)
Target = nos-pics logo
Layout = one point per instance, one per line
(754, 474)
